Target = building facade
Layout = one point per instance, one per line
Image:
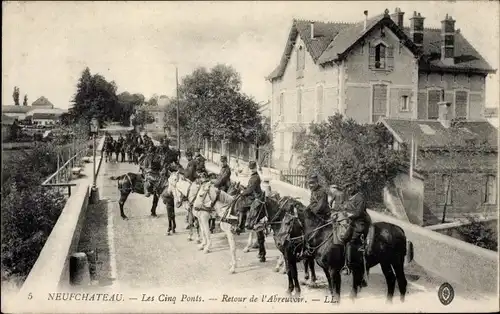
(369, 70)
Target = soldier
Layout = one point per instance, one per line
(360, 221)
(252, 191)
(152, 168)
(319, 199)
(336, 197)
(190, 171)
(222, 183)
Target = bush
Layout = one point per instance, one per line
(341, 151)
(29, 211)
(480, 234)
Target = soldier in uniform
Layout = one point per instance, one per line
(360, 221)
(319, 199)
(190, 171)
(152, 168)
(222, 183)
(336, 197)
(248, 195)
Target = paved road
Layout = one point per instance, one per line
(144, 257)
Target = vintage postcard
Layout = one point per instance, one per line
(250, 156)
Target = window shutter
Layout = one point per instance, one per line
(461, 104)
(390, 58)
(371, 56)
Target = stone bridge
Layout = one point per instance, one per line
(150, 271)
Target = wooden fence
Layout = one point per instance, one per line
(294, 177)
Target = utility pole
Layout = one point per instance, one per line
(177, 98)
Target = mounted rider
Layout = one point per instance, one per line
(222, 183)
(318, 203)
(360, 221)
(252, 192)
(190, 171)
(201, 170)
(336, 197)
(151, 166)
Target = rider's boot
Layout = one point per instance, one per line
(348, 256)
(146, 190)
(241, 222)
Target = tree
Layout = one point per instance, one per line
(153, 101)
(341, 151)
(25, 101)
(15, 96)
(212, 105)
(95, 98)
(128, 104)
(142, 117)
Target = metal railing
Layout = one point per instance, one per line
(64, 172)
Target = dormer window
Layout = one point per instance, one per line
(380, 56)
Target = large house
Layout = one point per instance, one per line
(377, 68)
(40, 112)
(158, 114)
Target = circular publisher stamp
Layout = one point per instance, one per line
(446, 293)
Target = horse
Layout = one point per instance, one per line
(273, 213)
(385, 244)
(318, 238)
(134, 182)
(109, 149)
(206, 200)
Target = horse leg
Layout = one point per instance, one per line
(357, 276)
(198, 229)
(295, 275)
(190, 222)
(329, 279)
(310, 262)
(232, 245)
(205, 221)
(121, 203)
(398, 267)
(155, 204)
(306, 269)
(390, 279)
(261, 240)
(337, 281)
(249, 243)
(279, 263)
(289, 274)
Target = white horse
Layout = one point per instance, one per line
(201, 198)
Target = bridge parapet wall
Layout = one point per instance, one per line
(458, 262)
(51, 269)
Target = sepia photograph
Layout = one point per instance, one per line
(250, 156)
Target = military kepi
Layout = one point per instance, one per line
(223, 158)
(313, 178)
(252, 165)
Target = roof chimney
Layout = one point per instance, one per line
(397, 17)
(366, 19)
(312, 30)
(417, 29)
(447, 39)
(444, 114)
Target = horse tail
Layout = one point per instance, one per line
(409, 252)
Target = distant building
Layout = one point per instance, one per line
(265, 109)
(491, 114)
(377, 68)
(447, 159)
(40, 106)
(158, 113)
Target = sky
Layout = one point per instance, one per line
(46, 45)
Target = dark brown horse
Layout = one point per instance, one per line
(386, 245)
(274, 210)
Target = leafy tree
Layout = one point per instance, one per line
(153, 101)
(25, 101)
(341, 151)
(128, 104)
(142, 117)
(95, 98)
(211, 105)
(15, 96)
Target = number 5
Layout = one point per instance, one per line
(30, 296)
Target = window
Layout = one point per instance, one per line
(490, 197)
(461, 98)
(405, 103)
(301, 55)
(299, 101)
(433, 98)
(379, 102)
(319, 102)
(447, 190)
(380, 56)
(295, 139)
(282, 144)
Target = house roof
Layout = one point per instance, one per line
(430, 134)
(53, 111)
(46, 115)
(333, 40)
(16, 109)
(42, 101)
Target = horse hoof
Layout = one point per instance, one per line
(246, 250)
(289, 292)
(198, 241)
(277, 269)
(206, 251)
(124, 217)
(200, 247)
(232, 270)
(189, 239)
(154, 215)
(306, 277)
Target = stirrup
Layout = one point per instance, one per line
(345, 270)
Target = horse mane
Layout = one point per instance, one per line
(223, 196)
